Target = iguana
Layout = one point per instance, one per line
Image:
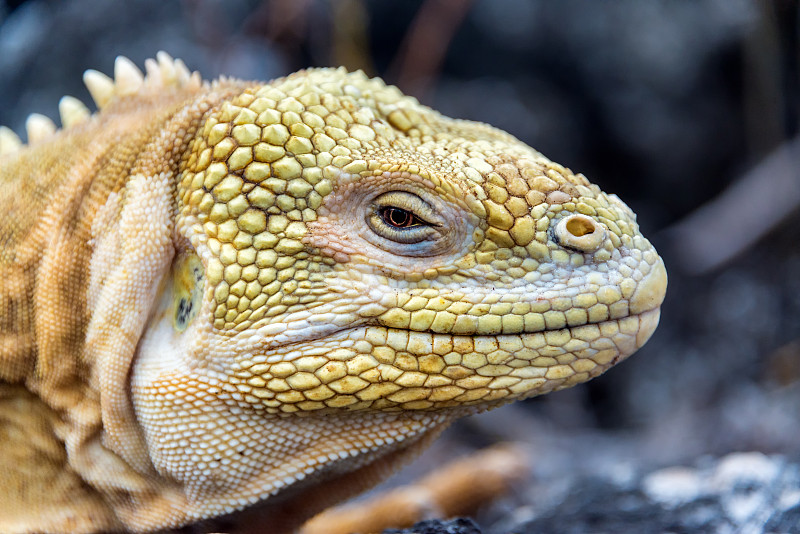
(229, 295)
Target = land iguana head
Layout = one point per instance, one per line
(350, 256)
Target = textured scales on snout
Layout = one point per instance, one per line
(228, 295)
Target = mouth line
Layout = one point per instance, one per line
(343, 332)
(515, 333)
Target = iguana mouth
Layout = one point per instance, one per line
(603, 307)
(568, 328)
(389, 369)
(637, 328)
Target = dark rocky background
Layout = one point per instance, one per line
(689, 110)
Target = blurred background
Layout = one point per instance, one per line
(688, 110)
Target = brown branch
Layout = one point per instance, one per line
(457, 488)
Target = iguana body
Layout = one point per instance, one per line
(236, 294)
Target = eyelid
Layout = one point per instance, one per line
(409, 202)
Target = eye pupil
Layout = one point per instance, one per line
(397, 217)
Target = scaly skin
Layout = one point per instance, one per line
(217, 295)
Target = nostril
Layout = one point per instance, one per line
(580, 233)
(579, 226)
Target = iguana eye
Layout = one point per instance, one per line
(402, 217)
(399, 218)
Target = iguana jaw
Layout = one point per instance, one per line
(376, 368)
